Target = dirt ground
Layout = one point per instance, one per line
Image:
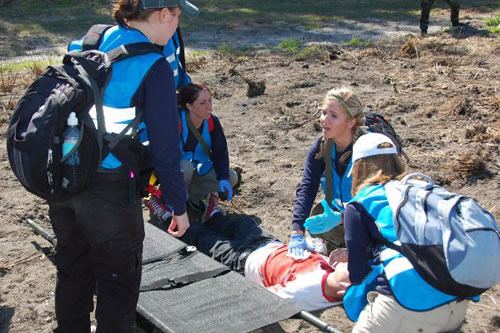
(441, 93)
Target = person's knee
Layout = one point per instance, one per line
(188, 170)
(233, 177)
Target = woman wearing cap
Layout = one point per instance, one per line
(100, 231)
(387, 294)
(341, 119)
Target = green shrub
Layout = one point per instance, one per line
(291, 46)
(493, 23)
(355, 41)
(239, 50)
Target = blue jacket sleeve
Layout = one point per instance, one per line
(162, 122)
(308, 188)
(220, 154)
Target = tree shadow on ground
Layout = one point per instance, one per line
(6, 314)
(467, 31)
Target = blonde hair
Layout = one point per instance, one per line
(378, 169)
(353, 108)
(345, 96)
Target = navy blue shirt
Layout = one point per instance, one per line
(158, 96)
(220, 154)
(308, 188)
(363, 241)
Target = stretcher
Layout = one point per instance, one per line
(183, 290)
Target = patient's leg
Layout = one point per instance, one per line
(215, 245)
(239, 229)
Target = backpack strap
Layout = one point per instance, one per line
(327, 158)
(430, 183)
(211, 124)
(182, 56)
(120, 53)
(131, 50)
(198, 136)
(92, 39)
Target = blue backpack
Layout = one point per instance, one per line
(452, 242)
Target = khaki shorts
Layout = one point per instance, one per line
(383, 314)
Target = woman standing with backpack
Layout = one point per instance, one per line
(341, 119)
(205, 159)
(100, 231)
(387, 294)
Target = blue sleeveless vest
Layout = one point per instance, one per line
(408, 288)
(126, 78)
(200, 160)
(341, 186)
(172, 53)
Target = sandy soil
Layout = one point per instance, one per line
(441, 93)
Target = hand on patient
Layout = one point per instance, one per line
(298, 248)
(338, 256)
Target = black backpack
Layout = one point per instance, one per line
(377, 123)
(34, 137)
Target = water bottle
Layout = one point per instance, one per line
(70, 139)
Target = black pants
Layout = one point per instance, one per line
(99, 245)
(426, 6)
(227, 239)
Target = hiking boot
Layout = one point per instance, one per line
(423, 33)
(211, 207)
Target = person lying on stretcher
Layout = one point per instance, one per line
(313, 283)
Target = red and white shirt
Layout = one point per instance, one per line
(299, 281)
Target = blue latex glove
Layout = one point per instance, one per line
(298, 248)
(319, 224)
(225, 186)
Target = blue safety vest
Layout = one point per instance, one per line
(126, 77)
(341, 186)
(172, 52)
(200, 160)
(408, 288)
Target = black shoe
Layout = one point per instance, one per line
(423, 33)
(197, 206)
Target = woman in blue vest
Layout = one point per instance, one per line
(172, 51)
(205, 157)
(100, 231)
(387, 294)
(341, 119)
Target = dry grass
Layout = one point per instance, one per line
(195, 63)
(482, 133)
(409, 49)
(459, 106)
(8, 81)
(469, 165)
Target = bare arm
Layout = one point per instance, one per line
(338, 281)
